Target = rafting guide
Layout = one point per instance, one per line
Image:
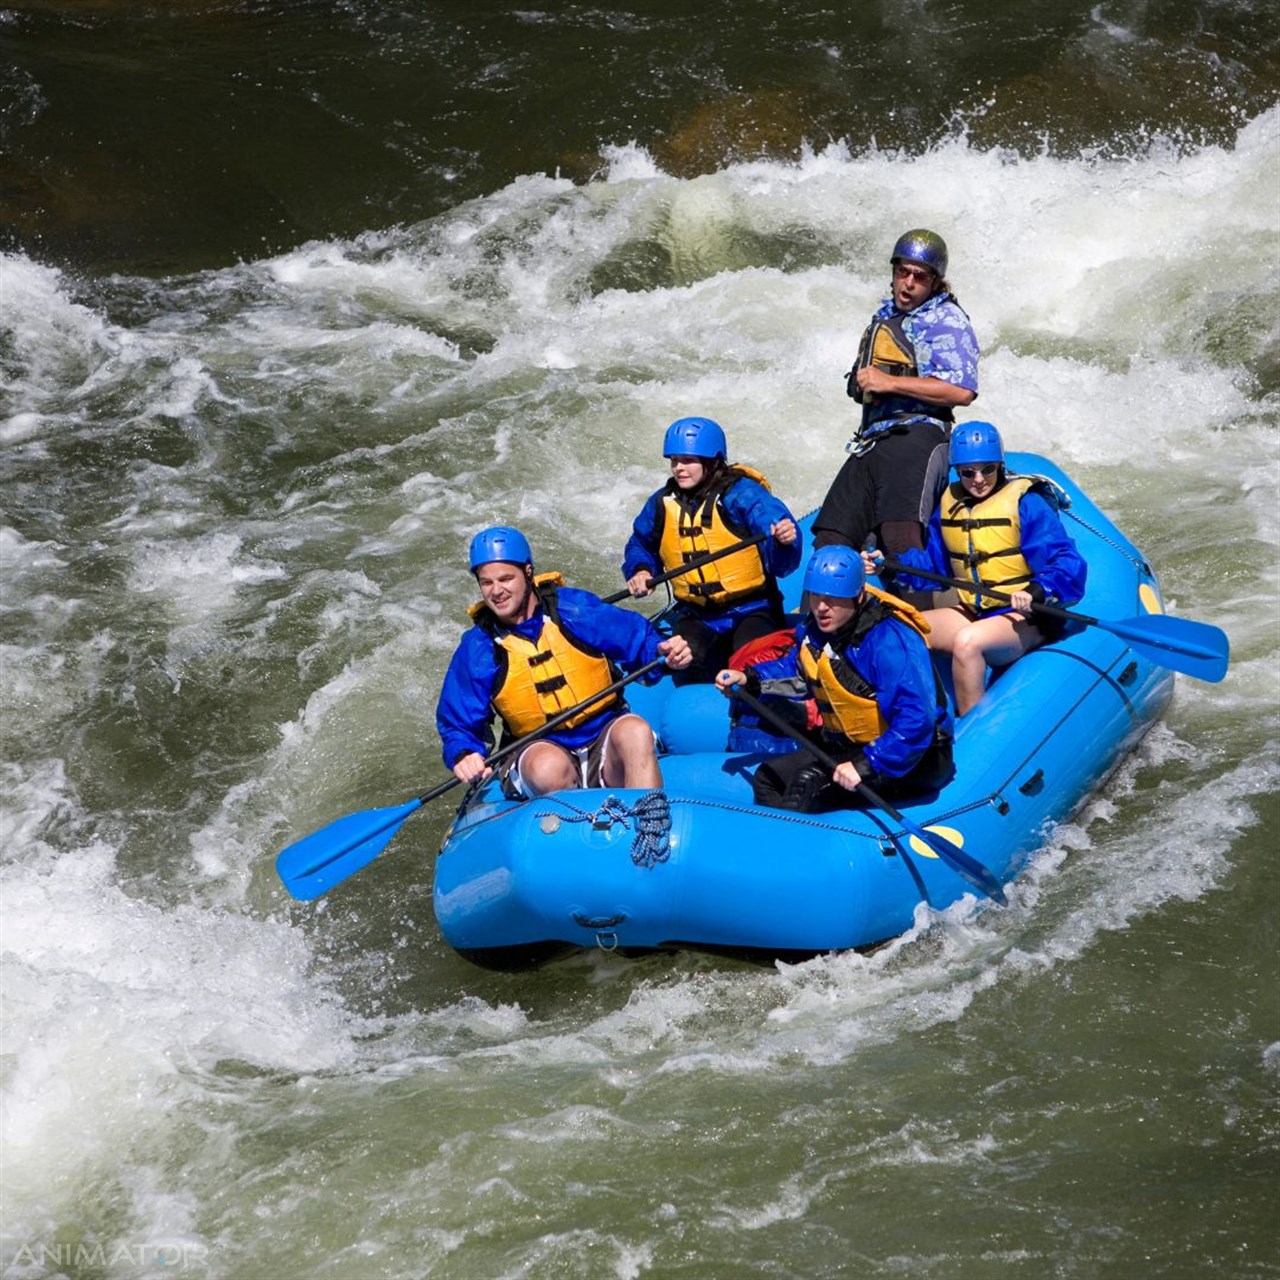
(917, 363)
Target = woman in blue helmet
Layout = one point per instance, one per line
(860, 655)
(916, 364)
(998, 530)
(538, 648)
(707, 505)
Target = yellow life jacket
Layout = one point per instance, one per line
(693, 527)
(846, 700)
(539, 679)
(885, 346)
(984, 540)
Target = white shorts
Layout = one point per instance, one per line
(589, 762)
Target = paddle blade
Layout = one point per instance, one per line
(961, 863)
(313, 865)
(1194, 648)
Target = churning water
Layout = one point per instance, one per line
(236, 506)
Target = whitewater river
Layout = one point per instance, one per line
(295, 298)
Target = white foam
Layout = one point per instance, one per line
(628, 163)
(59, 343)
(117, 1008)
(198, 577)
(23, 555)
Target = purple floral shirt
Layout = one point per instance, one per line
(945, 348)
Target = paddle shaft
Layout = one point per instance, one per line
(1052, 610)
(961, 863)
(317, 862)
(825, 760)
(696, 563)
(1198, 649)
(554, 723)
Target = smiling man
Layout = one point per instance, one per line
(539, 648)
(917, 363)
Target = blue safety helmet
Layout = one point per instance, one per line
(500, 543)
(927, 248)
(694, 438)
(975, 442)
(835, 571)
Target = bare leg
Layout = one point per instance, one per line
(629, 758)
(944, 626)
(990, 642)
(545, 767)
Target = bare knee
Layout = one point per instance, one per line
(545, 767)
(966, 646)
(630, 759)
(631, 736)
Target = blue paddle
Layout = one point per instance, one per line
(313, 865)
(961, 863)
(1194, 648)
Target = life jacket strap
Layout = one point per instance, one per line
(991, 522)
(975, 558)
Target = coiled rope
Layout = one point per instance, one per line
(653, 829)
(651, 814)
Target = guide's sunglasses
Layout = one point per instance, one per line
(903, 272)
(968, 473)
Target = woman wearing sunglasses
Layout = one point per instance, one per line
(1002, 531)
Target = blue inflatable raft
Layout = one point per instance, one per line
(698, 865)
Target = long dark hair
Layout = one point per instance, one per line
(944, 286)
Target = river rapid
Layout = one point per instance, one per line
(294, 299)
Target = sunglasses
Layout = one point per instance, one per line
(968, 473)
(903, 272)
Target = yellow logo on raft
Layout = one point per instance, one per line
(947, 833)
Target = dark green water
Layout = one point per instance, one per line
(296, 296)
(162, 137)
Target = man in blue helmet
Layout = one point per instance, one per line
(917, 363)
(860, 654)
(538, 648)
(709, 505)
(995, 529)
